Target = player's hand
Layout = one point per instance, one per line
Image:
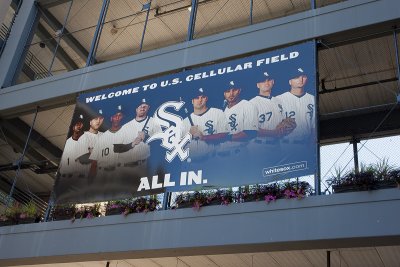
(195, 132)
(136, 141)
(141, 135)
(286, 126)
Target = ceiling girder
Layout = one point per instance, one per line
(48, 39)
(40, 151)
(67, 36)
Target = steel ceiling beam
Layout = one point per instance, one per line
(48, 39)
(67, 36)
(41, 152)
(52, 3)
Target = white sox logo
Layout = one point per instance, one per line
(232, 122)
(171, 136)
(209, 127)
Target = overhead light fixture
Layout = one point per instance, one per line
(114, 29)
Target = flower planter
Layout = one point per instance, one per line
(363, 187)
(63, 214)
(184, 205)
(26, 220)
(116, 211)
(6, 223)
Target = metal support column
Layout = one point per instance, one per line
(397, 64)
(317, 177)
(251, 12)
(355, 153)
(145, 6)
(96, 38)
(192, 20)
(15, 48)
(328, 258)
(21, 159)
(313, 4)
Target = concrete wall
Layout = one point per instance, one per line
(340, 220)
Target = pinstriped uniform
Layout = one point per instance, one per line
(240, 117)
(91, 139)
(130, 131)
(212, 121)
(103, 151)
(69, 165)
(302, 109)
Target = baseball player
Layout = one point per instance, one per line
(241, 119)
(206, 125)
(74, 148)
(92, 136)
(71, 176)
(299, 105)
(132, 151)
(104, 159)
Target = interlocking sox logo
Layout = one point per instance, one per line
(171, 135)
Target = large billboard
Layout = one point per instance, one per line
(245, 121)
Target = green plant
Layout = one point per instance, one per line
(29, 210)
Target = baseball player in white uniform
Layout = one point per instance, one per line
(91, 136)
(298, 105)
(75, 147)
(132, 151)
(241, 119)
(104, 159)
(206, 125)
(270, 115)
(72, 174)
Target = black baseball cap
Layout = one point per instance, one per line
(140, 102)
(294, 73)
(233, 84)
(95, 114)
(266, 76)
(198, 92)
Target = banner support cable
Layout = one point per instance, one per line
(59, 40)
(21, 159)
(97, 34)
(145, 26)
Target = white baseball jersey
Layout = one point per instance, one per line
(130, 131)
(269, 111)
(212, 121)
(91, 138)
(103, 151)
(69, 165)
(302, 109)
(241, 117)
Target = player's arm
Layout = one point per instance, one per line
(84, 159)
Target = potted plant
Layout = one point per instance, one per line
(9, 215)
(370, 177)
(64, 212)
(28, 214)
(116, 207)
(88, 212)
(143, 204)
